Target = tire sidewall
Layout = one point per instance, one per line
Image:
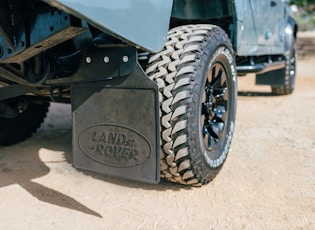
(220, 53)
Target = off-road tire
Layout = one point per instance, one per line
(19, 119)
(196, 76)
(289, 71)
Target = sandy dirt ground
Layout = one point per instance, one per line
(267, 182)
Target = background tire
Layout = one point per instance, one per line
(196, 76)
(289, 72)
(20, 118)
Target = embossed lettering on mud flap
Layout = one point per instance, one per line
(116, 127)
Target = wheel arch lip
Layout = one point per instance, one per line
(124, 19)
(290, 32)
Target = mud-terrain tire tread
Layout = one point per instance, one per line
(174, 69)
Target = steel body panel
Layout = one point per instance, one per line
(143, 23)
(260, 27)
(200, 9)
(258, 24)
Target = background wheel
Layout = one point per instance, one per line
(289, 71)
(20, 118)
(196, 76)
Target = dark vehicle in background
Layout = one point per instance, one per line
(152, 84)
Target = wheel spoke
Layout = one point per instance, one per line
(214, 106)
(203, 120)
(204, 96)
(209, 76)
(220, 87)
(220, 111)
(217, 128)
(219, 92)
(207, 138)
(216, 82)
(218, 75)
(217, 70)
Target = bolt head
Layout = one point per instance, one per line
(88, 60)
(125, 59)
(106, 59)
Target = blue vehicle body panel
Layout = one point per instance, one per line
(143, 23)
(260, 27)
(257, 27)
(258, 24)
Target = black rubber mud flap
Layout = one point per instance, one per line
(116, 127)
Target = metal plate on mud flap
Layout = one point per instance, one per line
(116, 127)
